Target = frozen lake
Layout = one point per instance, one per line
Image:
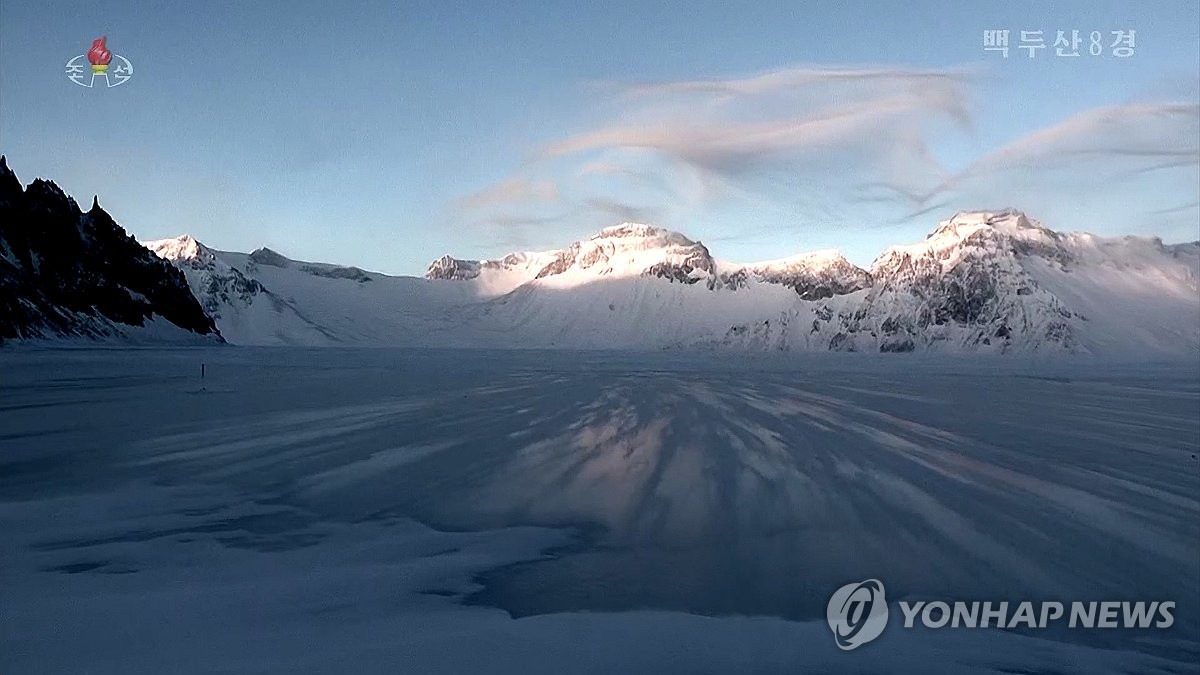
(305, 510)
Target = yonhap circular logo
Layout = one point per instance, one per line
(857, 613)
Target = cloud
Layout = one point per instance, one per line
(619, 210)
(595, 211)
(781, 118)
(793, 79)
(832, 145)
(516, 220)
(732, 146)
(510, 191)
(1130, 156)
(1131, 137)
(675, 147)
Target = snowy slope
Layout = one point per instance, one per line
(1146, 300)
(240, 304)
(980, 282)
(265, 298)
(638, 312)
(492, 277)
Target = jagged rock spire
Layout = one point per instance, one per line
(10, 187)
(76, 274)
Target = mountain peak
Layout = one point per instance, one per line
(74, 274)
(183, 247)
(628, 227)
(41, 188)
(451, 268)
(1005, 221)
(630, 249)
(630, 230)
(265, 256)
(815, 275)
(820, 258)
(10, 186)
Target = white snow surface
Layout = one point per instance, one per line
(988, 281)
(381, 511)
(264, 298)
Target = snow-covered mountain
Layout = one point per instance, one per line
(239, 303)
(638, 250)
(979, 282)
(1002, 281)
(69, 273)
(629, 249)
(266, 298)
(814, 276)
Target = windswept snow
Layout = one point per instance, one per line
(315, 510)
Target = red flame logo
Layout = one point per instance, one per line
(99, 54)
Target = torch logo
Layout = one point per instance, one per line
(100, 58)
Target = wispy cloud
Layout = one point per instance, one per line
(1137, 154)
(790, 79)
(800, 119)
(822, 141)
(1131, 137)
(515, 190)
(674, 146)
(621, 211)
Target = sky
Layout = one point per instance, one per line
(386, 134)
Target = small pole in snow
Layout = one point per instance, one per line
(202, 371)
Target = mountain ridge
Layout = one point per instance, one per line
(980, 281)
(65, 272)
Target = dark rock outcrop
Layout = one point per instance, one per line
(66, 272)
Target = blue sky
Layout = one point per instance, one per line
(384, 134)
